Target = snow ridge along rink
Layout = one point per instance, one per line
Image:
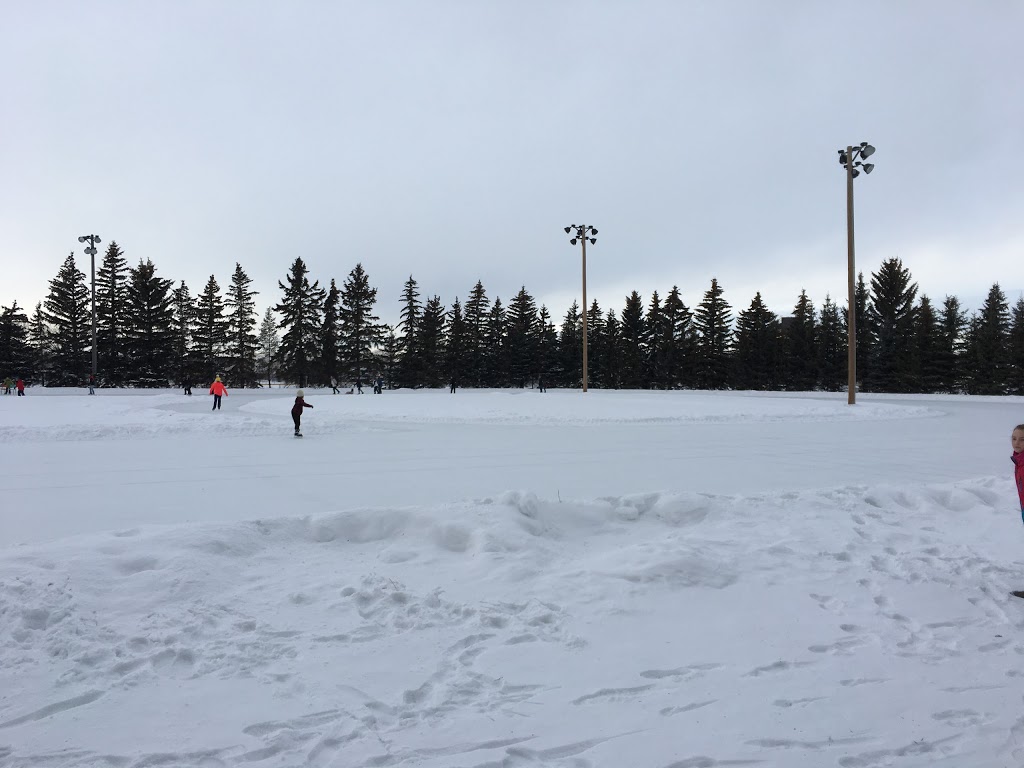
(743, 614)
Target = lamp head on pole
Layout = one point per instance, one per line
(81, 239)
(573, 241)
(567, 230)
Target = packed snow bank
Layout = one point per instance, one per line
(60, 415)
(857, 626)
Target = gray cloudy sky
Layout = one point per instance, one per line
(454, 140)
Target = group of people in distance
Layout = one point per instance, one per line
(18, 385)
(357, 388)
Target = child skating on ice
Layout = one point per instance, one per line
(300, 403)
(1017, 441)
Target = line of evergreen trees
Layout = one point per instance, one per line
(151, 333)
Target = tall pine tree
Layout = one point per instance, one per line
(361, 330)
(891, 316)
(713, 321)
(112, 317)
(832, 347)
(150, 341)
(241, 342)
(183, 365)
(987, 357)
(632, 344)
(757, 357)
(523, 339)
(15, 351)
(801, 347)
(209, 332)
(300, 310)
(67, 312)
(266, 349)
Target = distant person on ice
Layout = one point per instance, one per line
(21, 388)
(7, 385)
(300, 403)
(217, 390)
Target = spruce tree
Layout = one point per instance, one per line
(300, 310)
(758, 349)
(612, 352)
(570, 348)
(431, 343)
(548, 361)
(112, 319)
(389, 358)
(523, 339)
(148, 335)
(890, 316)
(209, 332)
(832, 347)
(477, 311)
(653, 344)
(988, 358)
(240, 342)
(15, 351)
(455, 346)
(1016, 348)
(713, 320)
(330, 337)
(595, 346)
(677, 351)
(631, 344)
(183, 366)
(67, 312)
(801, 364)
(268, 345)
(863, 331)
(40, 338)
(952, 327)
(927, 349)
(361, 330)
(410, 370)
(496, 357)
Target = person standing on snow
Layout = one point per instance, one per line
(217, 390)
(92, 384)
(300, 403)
(21, 388)
(7, 385)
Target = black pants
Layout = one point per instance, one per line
(216, 402)
(297, 418)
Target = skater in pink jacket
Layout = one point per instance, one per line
(1017, 441)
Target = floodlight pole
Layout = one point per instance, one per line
(584, 243)
(851, 320)
(582, 233)
(852, 159)
(91, 250)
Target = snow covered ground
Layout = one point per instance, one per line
(504, 579)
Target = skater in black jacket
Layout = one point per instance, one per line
(300, 403)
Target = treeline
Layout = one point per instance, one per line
(151, 332)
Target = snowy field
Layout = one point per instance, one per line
(499, 579)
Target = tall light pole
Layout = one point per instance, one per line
(91, 250)
(582, 233)
(851, 159)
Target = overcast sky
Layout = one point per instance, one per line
(454, 140)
